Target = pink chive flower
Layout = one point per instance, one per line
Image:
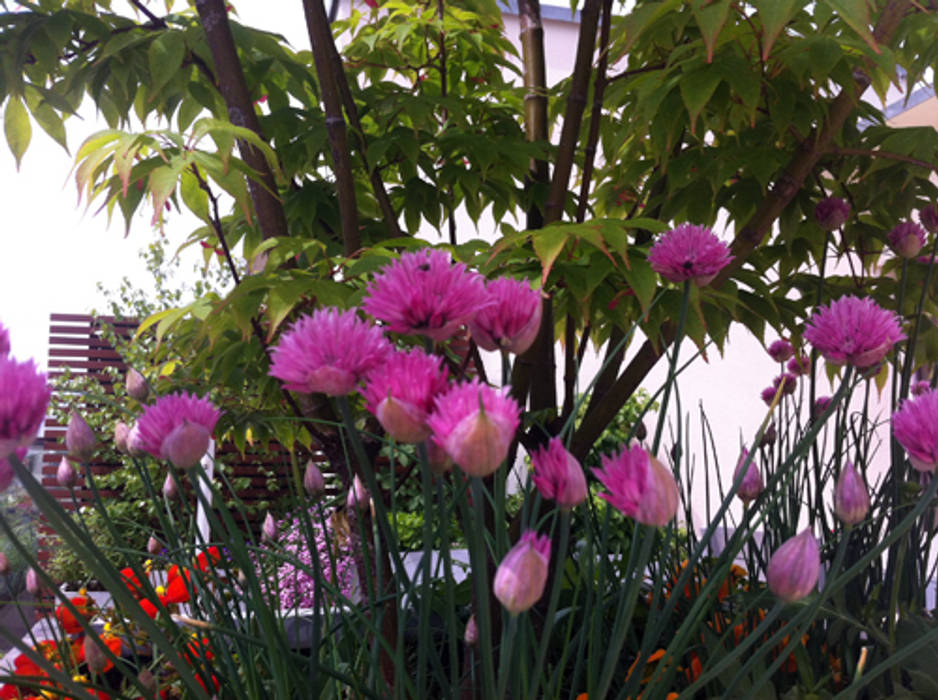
(512, 321)
(768, 395)
(821, 404)
(474, 424)
(915, 427)
(639, 485)
(328, 352)
(400, 393)
(24, 396)
(851, 497)
(558, 475)
(920, 387)
(854, 331)
(799, 365)
(4, 341)
(6, 469)
(178, 427)
(794, 568)
(689, 252)
(521, 577)
(80, 439)
(831, 213)
(781, 350)
(907, 239)
(752, 484)
(929, 218)
(425, 293)
(791, 382)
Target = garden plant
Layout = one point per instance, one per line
(557, 554)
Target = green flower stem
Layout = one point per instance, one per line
(505, 654)
(675, 351)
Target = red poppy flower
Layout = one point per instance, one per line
(67, 619)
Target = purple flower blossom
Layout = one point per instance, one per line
(689, 252)
(522, 575)
(831, 213)
(639, 485)
(400, 393)
(512, 321)
(799, 365)
(24, 396)
(425, 293)
(768, 395)
(173, 417)
(558, 475)
(6, 469)
(794, 568)
(781, 350)
(328, 352)
(854, 331)
(821, 404)
(907, 239)
(791, 382)
(928, 216)
(475, 424)
(915, 427)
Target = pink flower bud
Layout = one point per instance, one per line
(135, 443)
(558, 475)
(471, 635)
(65, 475)
(147, 680)
(79, 438)
(4, 564)
(821, 404)
(358, 496)
(137, 387)
(851, 498)
(32, 582)
(640, 486)
(794, 568)
(752, 484)
(781, 351)
(907, 239)
(121, 435)
(269, 528)
(313, 480)
(521, 577)
(929, 218)
(187, 444)
(94, 655)
(154, 546)
(831, 213)
(769, 436)
(170, 489)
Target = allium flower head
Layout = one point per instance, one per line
(854, 331)
(400, 393)
(915, 427)
(24, 396)
(4, 341)
(424, 292)
(639, 485)
(907, 239)
(851, 497)
(328, 352)
(781, 350)
(175, 425)
(790, 381)
(512, 321)
(768, 395)
(689, 252)
(521, 577)
(794, 568)
(558, 475)
(799, 365)
(831, 213)
(752, 484)
(475, 424)
(821, 404)
(928, 217)
(6, 469)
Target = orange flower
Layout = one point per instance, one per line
(68, 621)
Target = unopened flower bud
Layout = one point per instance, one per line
(440, 462)
(907, 239)
(641, 432)
(4, 564)
(358, 496)
(135, 442)
(558, 475)
(929, 218)
(170, 489)
(851, 498)
(94, 655)
(794, 568)
(821, 404)
(65, 475)
(521, 577)
(137, 387)
(313, 480)
(269, 528)
(471, 635)
(154, 546)
(769, 436)
(831, 213)
(121, 435)
(186, 444)
(32, 582)
(752, 484)
(147, 680)
(79, 438)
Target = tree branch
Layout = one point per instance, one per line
(877, 153)
(320, 37)
(234, 90)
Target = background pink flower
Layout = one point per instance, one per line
(328, 352)
(425, 292)
(915, 427)
(639, 485)
(558, 475)
(831, 213)
(854, 331)
(907, 239)
(512, 321)
(161, 419)
(689, 252)
(24, 396)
